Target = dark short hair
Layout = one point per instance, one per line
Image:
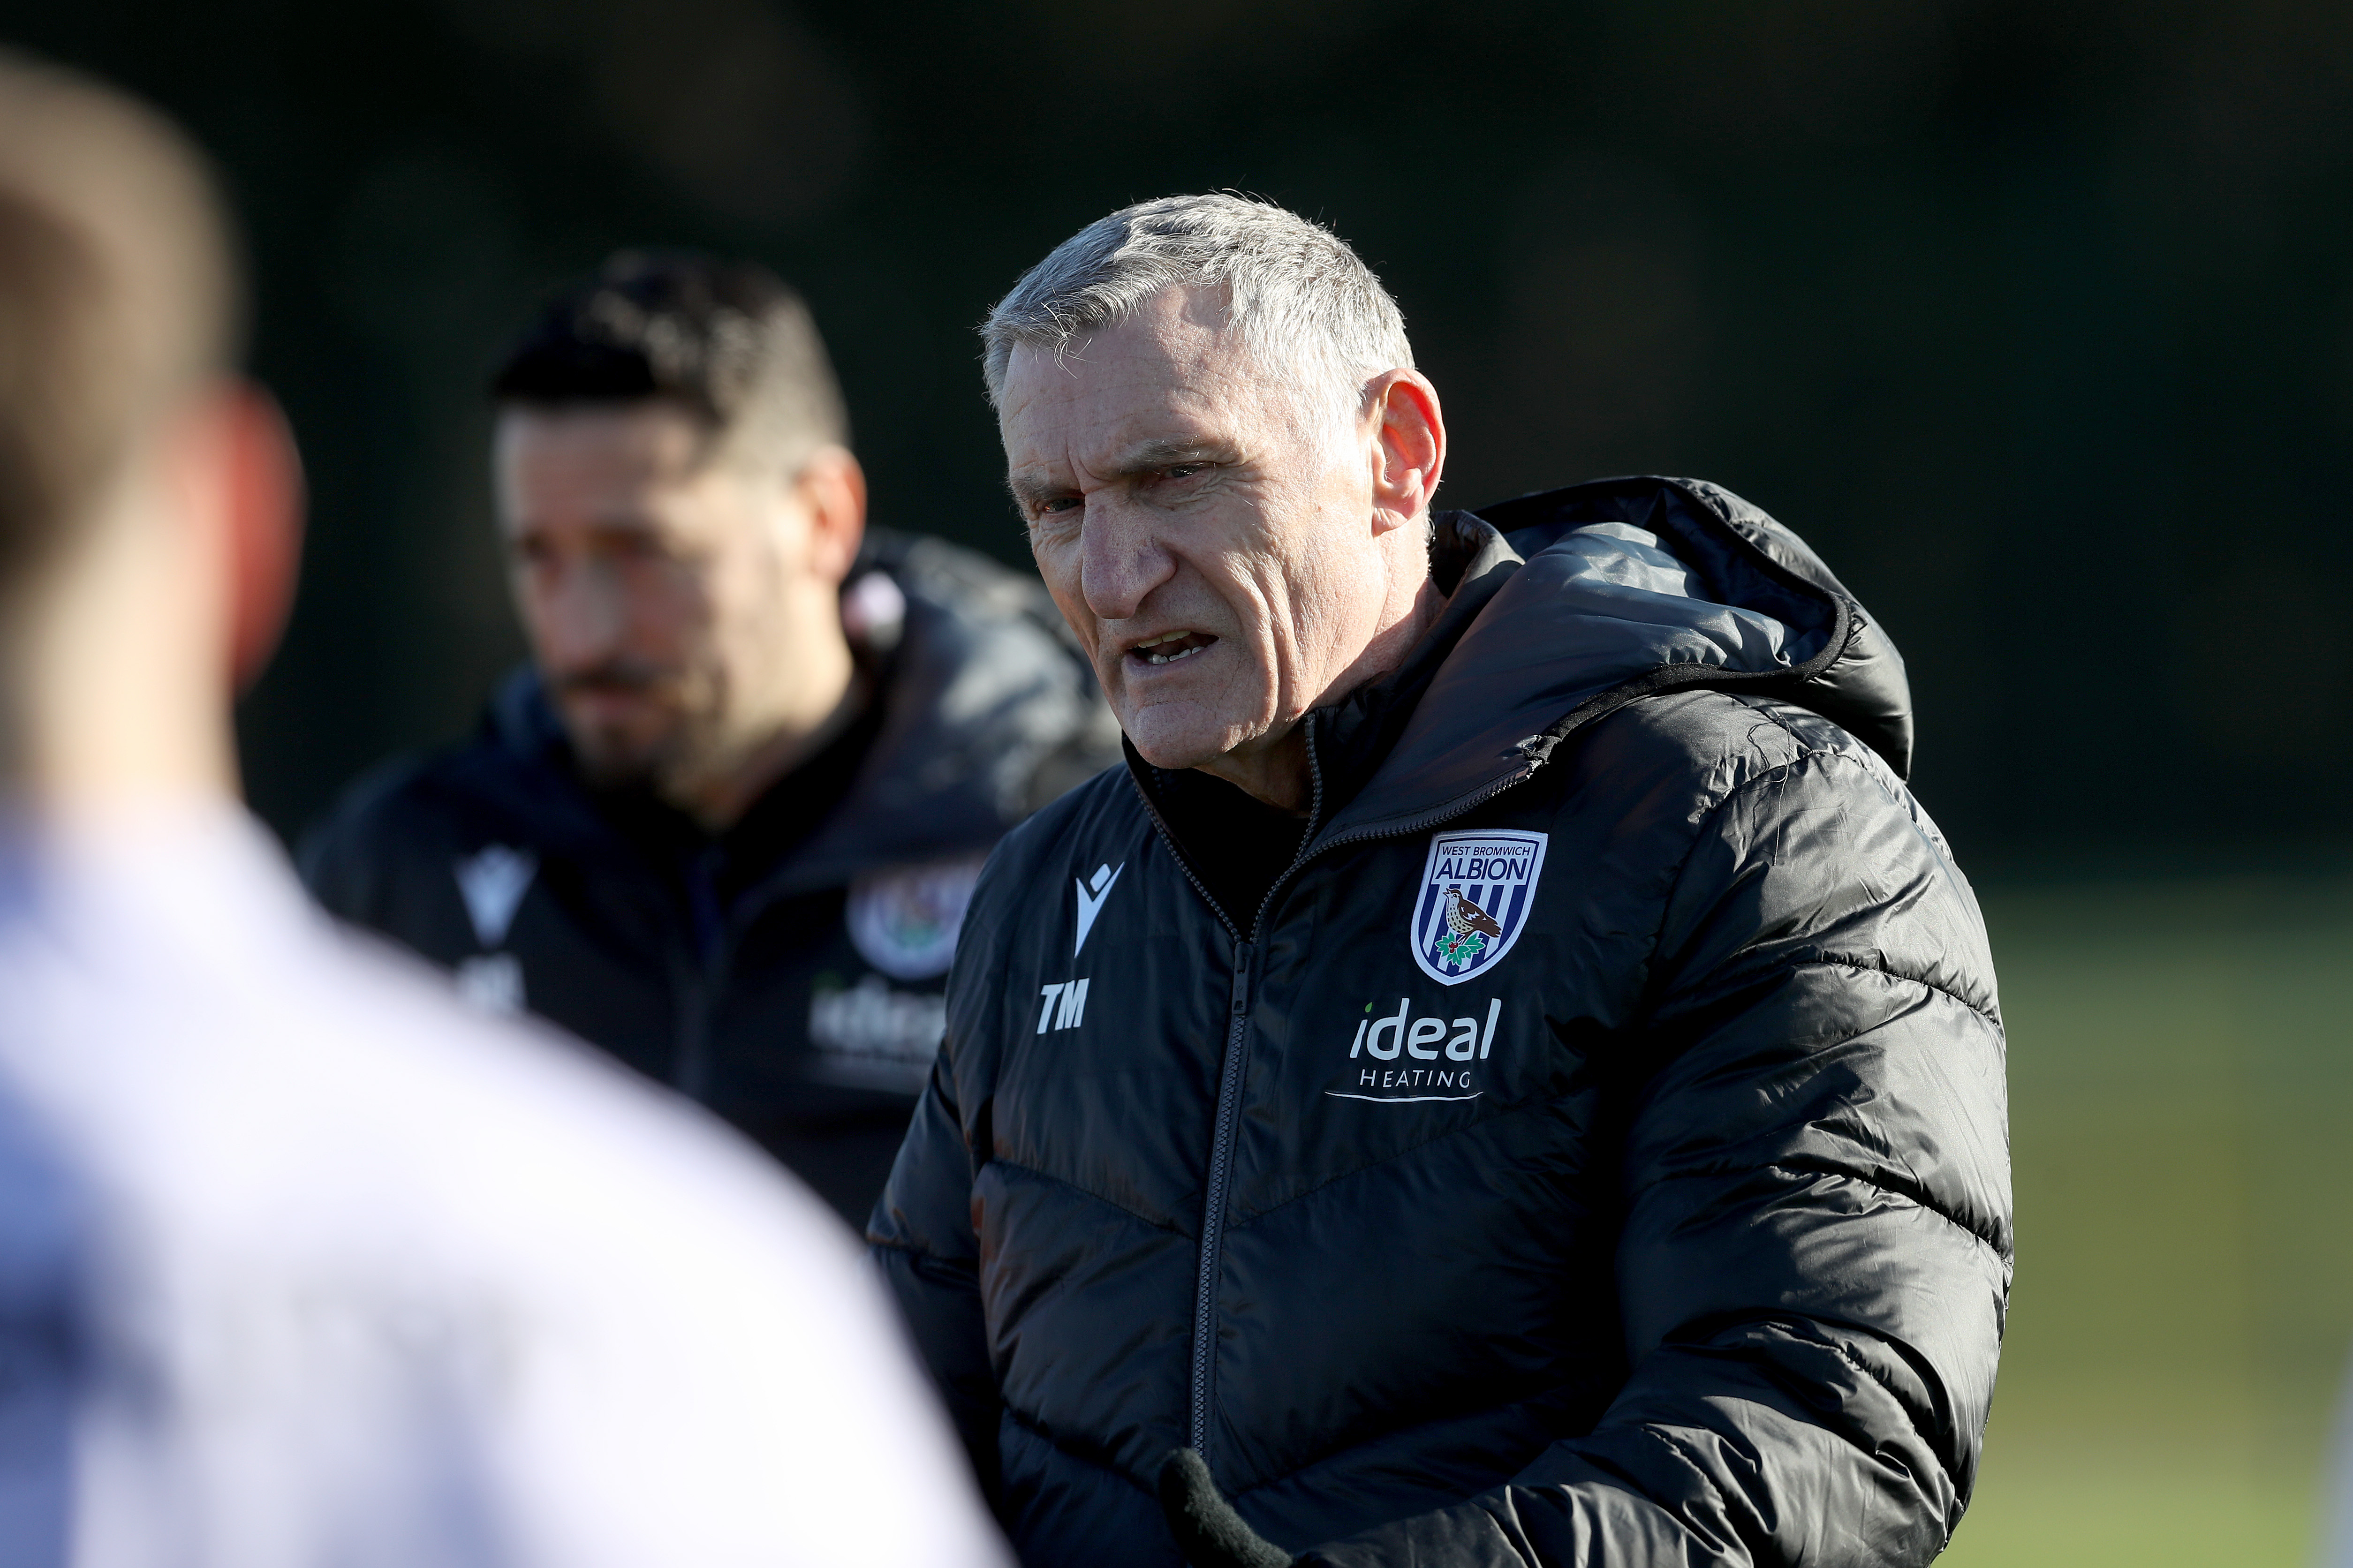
(728, 341)
(118, 293)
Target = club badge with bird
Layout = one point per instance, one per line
(1468, 929)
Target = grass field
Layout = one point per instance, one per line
(2181, 1109)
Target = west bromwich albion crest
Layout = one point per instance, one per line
(1476, 892)
(905, 921)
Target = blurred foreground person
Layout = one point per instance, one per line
(1509, 1075)
(303, 1265)
(727, 825)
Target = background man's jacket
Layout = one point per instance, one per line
(1592, 1150)
(787, 974)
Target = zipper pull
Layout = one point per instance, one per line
(1242, 978)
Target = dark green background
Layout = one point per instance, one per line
(2036, 318)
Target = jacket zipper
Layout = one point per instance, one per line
(705, 978)
(1231, 1070)
(1231, 1067)
(1213, 1226)
(1213, 1211)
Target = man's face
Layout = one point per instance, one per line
(655, 586)
(1206, 526)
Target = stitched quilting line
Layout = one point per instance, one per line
(1814, 752)
(1840, 960)
(1831, 1173)
(1435, 1138)
(1114, 1204)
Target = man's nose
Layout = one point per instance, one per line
(1123, 559)
(582, 615)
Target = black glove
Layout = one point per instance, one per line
(1208, 1532)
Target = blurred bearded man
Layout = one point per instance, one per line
(302, 1263)
(1507, 1075)
(726, 824)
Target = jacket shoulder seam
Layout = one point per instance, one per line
(1771, 710)
(1774, 774)
(1898, 794)
(1699, 835)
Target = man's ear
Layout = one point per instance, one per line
(261, 477)
(1408, 439)
(832, 487)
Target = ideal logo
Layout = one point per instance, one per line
(1385, 1039)
(1476, 891)
(1425, 1033)
(874, 1036)
(1091, 903)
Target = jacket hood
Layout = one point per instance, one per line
(1581, 600)
(981, 691)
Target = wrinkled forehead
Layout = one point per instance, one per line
(1175, 371)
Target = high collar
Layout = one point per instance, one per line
(1596, 596)
(1469, 561)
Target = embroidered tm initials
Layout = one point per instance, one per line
(1065, 1007)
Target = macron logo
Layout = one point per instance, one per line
(1090, 904)
(493, 884)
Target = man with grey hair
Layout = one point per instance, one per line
(1507, 1074)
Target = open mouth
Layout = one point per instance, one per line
(1171, 647)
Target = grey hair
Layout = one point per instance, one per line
(1295, 291)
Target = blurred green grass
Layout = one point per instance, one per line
(2181, 1102)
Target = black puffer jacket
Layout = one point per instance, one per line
(788, 975)
(1592, 1152)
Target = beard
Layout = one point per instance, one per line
(637, 726)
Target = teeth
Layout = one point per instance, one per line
(1144, 649)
